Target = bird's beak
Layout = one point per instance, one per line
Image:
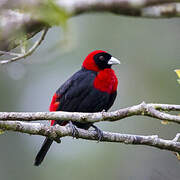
(113, 61)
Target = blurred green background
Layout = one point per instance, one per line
(149, 52)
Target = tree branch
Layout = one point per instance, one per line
(24, 54)
(162, 11)
(123, 7)
(8, 123)
(13, 22)
(143, 109)
(56, 132)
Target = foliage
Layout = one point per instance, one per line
(178, 74)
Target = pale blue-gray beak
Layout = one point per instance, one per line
(113, 61)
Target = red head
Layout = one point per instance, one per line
(98, 60)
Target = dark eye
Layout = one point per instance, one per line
(101, 58)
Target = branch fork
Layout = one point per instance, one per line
(23, 54)
(8, 122)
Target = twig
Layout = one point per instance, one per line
(13, 22)
(9, 53)
(176, 137)
(122, 7)
(24, 55)
(160, 11)
(143, 109)
(56, 132)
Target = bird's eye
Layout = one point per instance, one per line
(101, 58)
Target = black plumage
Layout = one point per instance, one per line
(79, 94)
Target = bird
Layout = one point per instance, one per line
(91, 89)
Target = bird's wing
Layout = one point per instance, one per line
(78, 94)
(72, 92)
(111, 100)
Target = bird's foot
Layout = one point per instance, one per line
(57, 139)
(99, 132)
(75, 132)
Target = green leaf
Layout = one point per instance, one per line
(52, 14)
(177, 71)
(1, 131)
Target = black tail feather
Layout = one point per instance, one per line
(43, 151)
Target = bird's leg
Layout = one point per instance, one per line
(57, 139)
(99, 132)
(75, 132)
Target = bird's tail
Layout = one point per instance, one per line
(43, 151)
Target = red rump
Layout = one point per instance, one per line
(89, 62)
(54, 105)
(106, 81)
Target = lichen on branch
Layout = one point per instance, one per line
(143, 109)
(56, 132)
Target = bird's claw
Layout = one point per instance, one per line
(75, 132)
(99, 132)
(58, 140)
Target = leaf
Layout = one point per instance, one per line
(177, 72)
(52, 14)
(23, 43)
(164, 122)
(1, 131)
(177, 155)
